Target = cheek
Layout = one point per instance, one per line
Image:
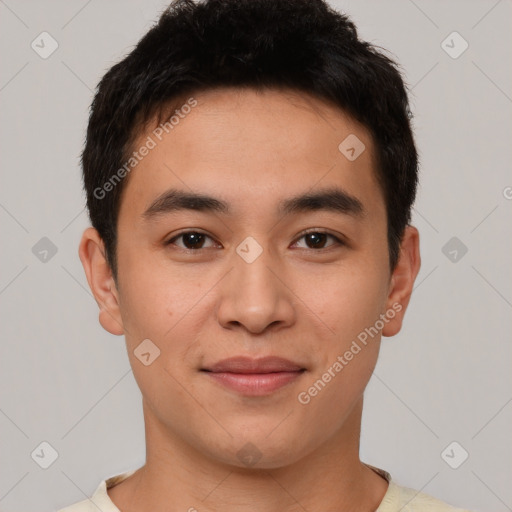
(154, 310)
(153, 299)
(345, 301)
(165, 307)
(350, 305)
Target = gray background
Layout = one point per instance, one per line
(446, 377)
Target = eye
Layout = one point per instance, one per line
(195, 240)
(192, 240)
(317, 239)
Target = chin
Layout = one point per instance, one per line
(262, 451)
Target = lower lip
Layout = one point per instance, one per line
(255, 384)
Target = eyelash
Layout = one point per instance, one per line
(338, 241)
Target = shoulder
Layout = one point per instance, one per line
(100, 500)
(399, 498)
(81, 506)
(406, 499)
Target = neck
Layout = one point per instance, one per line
(178, 477)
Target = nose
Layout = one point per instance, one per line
(255, 295)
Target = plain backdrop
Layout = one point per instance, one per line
(444, 379)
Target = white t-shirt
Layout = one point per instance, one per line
(396, 499)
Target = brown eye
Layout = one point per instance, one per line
(191, 240)
(317, 240)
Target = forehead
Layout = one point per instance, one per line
(252, 147)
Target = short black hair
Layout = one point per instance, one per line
(303, 45)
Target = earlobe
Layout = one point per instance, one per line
(99, 276)
(402, 281)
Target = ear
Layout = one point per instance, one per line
(402, 280)
(101, 281)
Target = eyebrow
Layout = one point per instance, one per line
(329, 199)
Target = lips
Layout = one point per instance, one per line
(247, 365)
(254, 377)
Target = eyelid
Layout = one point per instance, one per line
(185, 232)
(339, 239)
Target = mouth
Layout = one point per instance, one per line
(254, 377)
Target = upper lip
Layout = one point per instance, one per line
(248, 365)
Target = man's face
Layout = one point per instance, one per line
(207, 284)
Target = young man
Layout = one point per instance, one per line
(250, 171)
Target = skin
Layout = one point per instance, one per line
(306, 304)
